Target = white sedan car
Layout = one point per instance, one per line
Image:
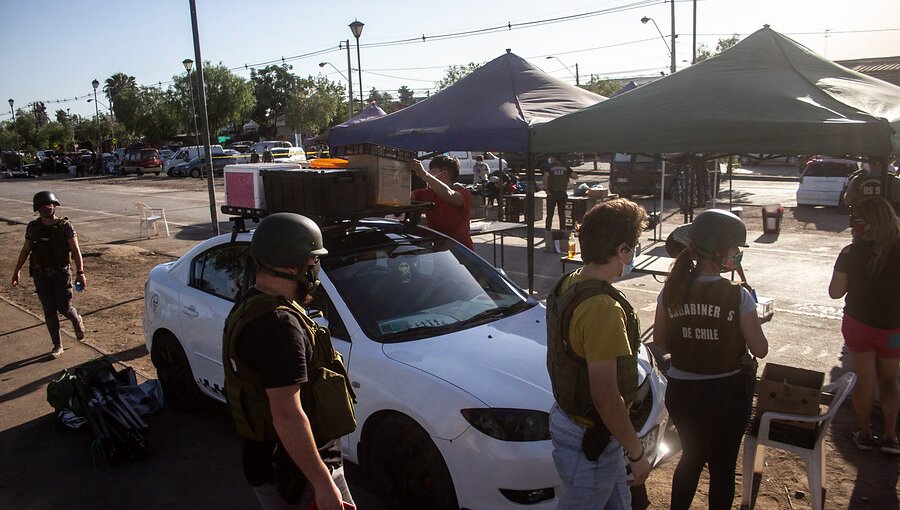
(446, 355)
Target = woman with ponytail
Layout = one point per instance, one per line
(867, 272)
(708, 324)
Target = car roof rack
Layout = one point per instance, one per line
(412, 214)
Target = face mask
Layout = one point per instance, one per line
(627, 268)
(731, 262)
(310, 281)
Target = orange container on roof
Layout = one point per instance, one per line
(328, 163)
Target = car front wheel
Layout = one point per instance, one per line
(409, 467)
(195, 173)
(174, 372)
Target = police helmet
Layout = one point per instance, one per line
(43, 198)
(717, 230)
(286, 240)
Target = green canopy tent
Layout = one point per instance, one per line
(767, 94)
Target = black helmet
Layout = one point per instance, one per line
(286, 240)
(717, 230)
(42, 198)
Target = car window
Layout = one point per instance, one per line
(622, 158)
(829, 169)
(423, 286)
(321, 302)
(149, 154)
(219, 271)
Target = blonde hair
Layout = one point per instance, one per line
(885, 229)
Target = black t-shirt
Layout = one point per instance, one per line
(872, 300)
(277, 346)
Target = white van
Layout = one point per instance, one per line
(188, 153)
(259, 147)
(467, 162)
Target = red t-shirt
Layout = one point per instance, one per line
(446, 217)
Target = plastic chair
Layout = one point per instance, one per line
(809, 448)
(149, 217)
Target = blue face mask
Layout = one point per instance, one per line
(627, 268)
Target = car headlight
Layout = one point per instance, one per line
(510, 424)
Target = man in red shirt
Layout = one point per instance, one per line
(452, 202)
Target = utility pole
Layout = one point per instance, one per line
(204, 121)
(350, 81)
(694, 44)
(577, 81)
(672, 70)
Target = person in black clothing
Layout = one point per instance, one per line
(269, 353)
(708, 323)
(867, 272)
(51, 245)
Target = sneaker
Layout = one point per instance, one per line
(864, 443)
(890, 445)
(79, 328)
(57, 351)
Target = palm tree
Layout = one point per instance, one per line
(116, 84)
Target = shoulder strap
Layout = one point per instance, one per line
(582, 291)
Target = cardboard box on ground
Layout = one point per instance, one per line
(791, 390)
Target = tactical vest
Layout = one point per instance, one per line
(51, 248)
(704, 332)
(568, 371)
(327, 397)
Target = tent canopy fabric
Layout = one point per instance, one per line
(371, 111)
(490, 109)
(767, 94)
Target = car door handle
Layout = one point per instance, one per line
(190, 310)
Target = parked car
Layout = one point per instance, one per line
(290, 155)
(196, 166)
(241, 147)
(447, 357)
(641, 174)
(259, 147)
(467, 163)
(141, 161)
(186, 154)
(166, 153)
(824, 180)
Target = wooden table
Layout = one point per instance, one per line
(496, 229)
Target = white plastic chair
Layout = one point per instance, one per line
(755, 446)
(149, 217)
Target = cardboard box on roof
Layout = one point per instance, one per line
(785, 389)
(390, 182)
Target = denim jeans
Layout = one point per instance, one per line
(601, 484)
(54, 289)
(556, 200)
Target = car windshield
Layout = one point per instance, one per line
(402, 287)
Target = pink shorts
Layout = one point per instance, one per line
(862, 338)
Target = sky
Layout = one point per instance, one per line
(51, 50)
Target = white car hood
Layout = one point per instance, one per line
(502, 363)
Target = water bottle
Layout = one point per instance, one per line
(571, 245)
(79, 287)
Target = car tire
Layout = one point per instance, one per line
(409, 467)
(195, 173)
(174, 373)
(155, 173)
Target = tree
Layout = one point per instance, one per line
(456, 73)
(148, 112)
(229, 98)
(315, 105)
(603, 87)
(405, 97)
(273, 87)
(703, 52)
(40, 113)
(384, 100)
(115, 85)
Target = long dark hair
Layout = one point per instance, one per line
(684, 273)
(885, 232)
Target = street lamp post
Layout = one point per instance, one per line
(356, 27)
(15, 126)
(575, 74)
(671, 50)
(96, 84)
(350, 90)
(188, 65)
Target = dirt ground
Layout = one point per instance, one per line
(113, 306)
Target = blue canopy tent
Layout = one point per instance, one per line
(492, 109)
(371, 111)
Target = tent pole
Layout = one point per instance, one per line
(662, 195)
(529, 215)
